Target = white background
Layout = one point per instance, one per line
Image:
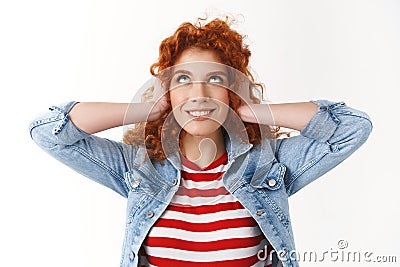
(56, 51)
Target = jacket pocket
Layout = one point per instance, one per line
(270, 176)
(138, 182)
(132, 181)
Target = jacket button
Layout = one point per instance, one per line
(131, 255)
(174, 181)
(135, 183)
(260, 212)
(149, 214)
(271, 182)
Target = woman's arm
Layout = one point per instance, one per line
(66, 133)
(93, 117)
(59, 133)
(329, 133)
(289, 115)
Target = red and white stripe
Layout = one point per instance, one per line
(204, 225)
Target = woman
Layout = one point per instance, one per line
(206, 180)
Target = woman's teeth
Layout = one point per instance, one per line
(199, 113)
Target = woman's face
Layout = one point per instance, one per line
(199, 91)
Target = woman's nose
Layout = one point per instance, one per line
(198, 92)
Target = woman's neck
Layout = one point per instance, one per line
(203, 150)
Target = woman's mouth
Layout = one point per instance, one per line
(200, 115)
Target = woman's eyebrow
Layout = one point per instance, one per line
(181, 72)
(218, 72)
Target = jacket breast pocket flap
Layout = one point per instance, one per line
(270, 176)
(138, 182)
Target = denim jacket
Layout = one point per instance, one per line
(261, 177)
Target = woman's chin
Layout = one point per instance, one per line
(201, 128)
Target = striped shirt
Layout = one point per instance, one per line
(204, 225)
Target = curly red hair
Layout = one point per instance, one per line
(228, 44)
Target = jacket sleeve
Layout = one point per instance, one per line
(100, 159)
(333, 134)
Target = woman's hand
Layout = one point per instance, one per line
(245, 113)
(255, 113)
(159, 103)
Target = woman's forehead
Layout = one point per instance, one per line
(197, 54)
(200, 67)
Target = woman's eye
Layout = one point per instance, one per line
(215, 79)
(183, 79)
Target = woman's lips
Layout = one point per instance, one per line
(200, 114)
